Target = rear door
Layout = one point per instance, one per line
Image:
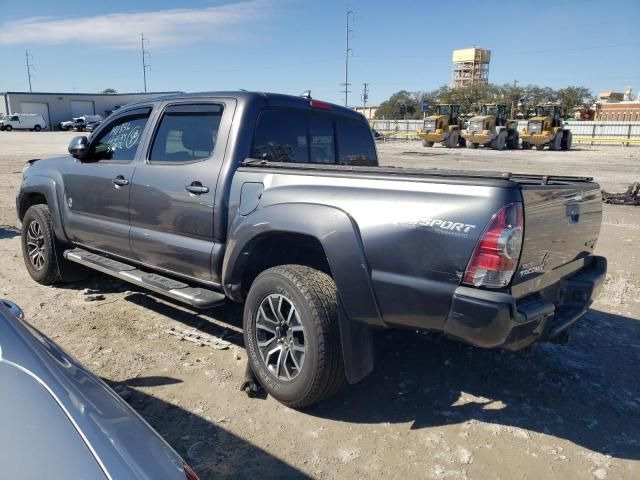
(96, 190)
(173, 190)
(561, 227)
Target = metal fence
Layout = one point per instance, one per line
(624, 133)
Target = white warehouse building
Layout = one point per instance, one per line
(58, 107)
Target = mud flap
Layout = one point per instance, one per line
(69, 271)
(250, 384)
(357, 348)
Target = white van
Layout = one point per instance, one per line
(23, 121)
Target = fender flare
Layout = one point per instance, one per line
(338, 235)
(46, 187)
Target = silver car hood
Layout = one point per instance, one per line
(47, 393)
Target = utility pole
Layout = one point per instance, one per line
(365, 98)
(30, 68)
(145, 66)
(513, 100)
(348, 50)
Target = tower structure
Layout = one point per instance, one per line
(470, 67)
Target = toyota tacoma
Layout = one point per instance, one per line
(278, 202)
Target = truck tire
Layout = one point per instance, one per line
(292, 335)
(452, 140)
(526, 146)
(556, 143)
(427, 143)
(38, 245)
(567, 141)
(472, 145)
(512, 141)
(37, 128)
(540, 147)
(8, 128)
(500, 141)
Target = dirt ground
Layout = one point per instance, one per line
(432, 408)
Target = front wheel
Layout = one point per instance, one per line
(292, 336)
(8, 128)
(38, 248)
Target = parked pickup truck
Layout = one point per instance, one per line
(278, 202)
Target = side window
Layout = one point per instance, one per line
(281, 136)
(322, 147)
(119, 141)
(186, 133)
(355, 143)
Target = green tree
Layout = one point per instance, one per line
(572, 98)
(402, 104)
(109, 90)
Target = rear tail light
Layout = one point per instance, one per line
(496, 256)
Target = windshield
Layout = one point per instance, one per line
(545, 111)
(444, 110)
(491, 110)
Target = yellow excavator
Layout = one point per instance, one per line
(443, 127)
(546, 128)
(492, 129)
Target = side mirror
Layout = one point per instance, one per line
(79, 147)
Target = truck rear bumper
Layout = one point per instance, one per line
(494, 319)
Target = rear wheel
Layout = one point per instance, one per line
(452, 140)
(37, 128)
(512, 141)
(427, 143)
(567, 141)
(292, 336)
(500, 141)
(556, 143)
(38, 248)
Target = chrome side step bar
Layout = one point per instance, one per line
(197, 297)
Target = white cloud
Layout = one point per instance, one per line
(122, 30)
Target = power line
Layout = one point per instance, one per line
(30, 68)
(347, 51)
(145, 65)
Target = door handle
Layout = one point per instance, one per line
(120, 181)
(196, 188)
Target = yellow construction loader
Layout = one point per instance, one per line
(491, 129)
(443, 127)
(546, 128)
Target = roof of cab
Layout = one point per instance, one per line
(269, 99)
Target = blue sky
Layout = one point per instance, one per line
(290, 46)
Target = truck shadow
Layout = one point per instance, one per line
(208, 448)
(586, 392)
(7, 231)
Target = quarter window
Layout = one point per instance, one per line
(121, 138)
(186, 133)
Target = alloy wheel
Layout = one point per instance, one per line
(35, 245)
(281, 337)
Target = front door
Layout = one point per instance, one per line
(96, 189)
(173, 191)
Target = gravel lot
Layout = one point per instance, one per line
(432, 408)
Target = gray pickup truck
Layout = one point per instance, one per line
(278, 202)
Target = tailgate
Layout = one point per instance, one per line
(561, 228)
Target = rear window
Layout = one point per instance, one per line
(298, 136)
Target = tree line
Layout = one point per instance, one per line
(523, 99)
